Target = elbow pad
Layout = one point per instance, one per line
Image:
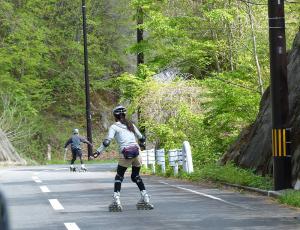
(106, 143)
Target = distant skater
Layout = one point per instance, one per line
(75, 141)
(125, 133)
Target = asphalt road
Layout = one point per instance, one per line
(51, 197)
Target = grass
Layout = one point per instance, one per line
(227, 174)
(231, 174)
(290, 197)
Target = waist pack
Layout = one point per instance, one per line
(131, 152)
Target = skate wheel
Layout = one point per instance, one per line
(115, 209)
(144, 207)
(140, 207)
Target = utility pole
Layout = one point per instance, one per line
(279, 96)
(87, 83)
(140, 34)
(140, 55)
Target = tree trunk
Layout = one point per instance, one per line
(214, 37)
(255, 55)
(229, 40)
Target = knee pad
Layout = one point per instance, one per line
(119, 179)
(136, 178)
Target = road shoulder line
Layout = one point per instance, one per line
(204, 194)
(72, 226)
(55, 204)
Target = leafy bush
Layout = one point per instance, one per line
(290, 197)
(232, 106)
(208, 113)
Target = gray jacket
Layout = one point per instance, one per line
(123, 136)
(75, 142)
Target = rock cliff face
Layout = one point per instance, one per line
(253, 147)
(8, 155)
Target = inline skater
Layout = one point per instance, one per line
(75, 141)
(125, 133)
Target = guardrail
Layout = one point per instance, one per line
(148, 157)
(177, 157)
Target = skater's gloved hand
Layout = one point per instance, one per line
(96, 154)
(142, 145)
(66, 149)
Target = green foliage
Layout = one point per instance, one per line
(129, 85)
(230, 109)
(209, 114)
(41, 67)
(290, 197)
(230, 174)
(41, 62)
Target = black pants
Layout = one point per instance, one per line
(76, 153)
(135, 177)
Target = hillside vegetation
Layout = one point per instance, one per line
(220, 49)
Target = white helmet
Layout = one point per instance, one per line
(75, 131)
(119, 110)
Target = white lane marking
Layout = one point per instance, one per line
(204, 194)
(44, 189)
(72, 226)
(55, 204)
(61, 169)
(36, 179)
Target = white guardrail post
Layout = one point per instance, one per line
(151, 159)
(176, 157)
(180, 157)
(160, 159)
(144, 158)
(148, 158)
(187, 153)
(173, 160)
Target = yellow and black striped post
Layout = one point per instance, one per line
(281, 159)
(279, 96)
(280, 142)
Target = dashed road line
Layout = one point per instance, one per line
(36, 179)
(204, 194)
(61, 169)
(44, 189)
(55, 204)
(72, 226)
